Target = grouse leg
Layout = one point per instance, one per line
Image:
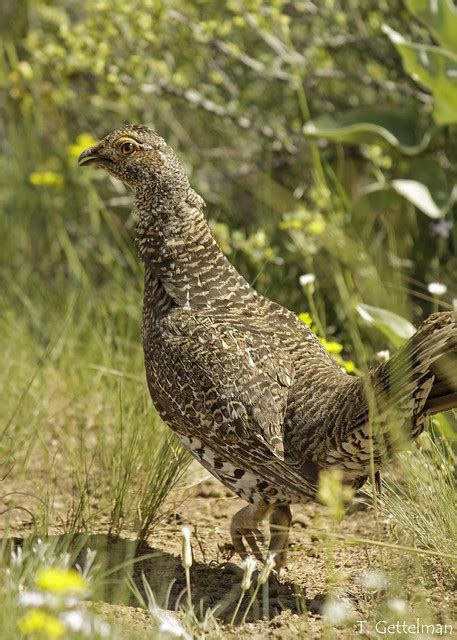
(280, 522)
(245, 524)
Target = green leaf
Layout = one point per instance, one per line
(426, 169)
(442, 426)
(373, 200)
(394, 327)
(371, 126)
(435, 68)
(440, 16)
(418, 194)
(425, 184)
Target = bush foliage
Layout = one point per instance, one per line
(242, 90)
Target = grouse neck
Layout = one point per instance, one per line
(179, 250)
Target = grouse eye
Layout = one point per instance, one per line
(127, 148)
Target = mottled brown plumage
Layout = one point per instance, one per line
(247, 387)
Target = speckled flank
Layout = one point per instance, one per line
(249, 389)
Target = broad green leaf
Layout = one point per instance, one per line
(418, 194)
(434, 67)
(371, 126)
(394, 327)
(426, 169)
(440, 16)
(425, 184)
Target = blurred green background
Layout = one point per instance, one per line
(322, 136)
(239, 89)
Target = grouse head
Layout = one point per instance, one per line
(142, 159)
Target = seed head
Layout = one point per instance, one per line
(186, 548)
(249, 566)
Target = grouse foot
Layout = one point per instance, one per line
(280, 521)
(245, 528)
(245, 524)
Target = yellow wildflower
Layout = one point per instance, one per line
(46, 179)
(349, 366)
(332, 347)
(291, 223)
(38, 622)
(60, 580)
(306, 318)
(317, 226)
(83, 141)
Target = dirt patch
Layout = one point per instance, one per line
(289, 608)
(293, 605)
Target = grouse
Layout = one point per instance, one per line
(247, 387)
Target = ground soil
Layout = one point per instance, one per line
(293, 607)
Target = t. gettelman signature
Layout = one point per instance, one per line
(385, 628)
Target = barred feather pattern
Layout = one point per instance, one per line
(248, 388)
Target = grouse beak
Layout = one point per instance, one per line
(92, 155)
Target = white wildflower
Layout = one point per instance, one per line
(306, 279)
(186, 548)
(102, 628)
(249, 567)
(65, 559)
(382, 356)
(437, 288)
(89, 561)
(397, 605)
(372, 579)
(337, 611)
(83, 623)
(16, 556)
(32, 599)
(169, 625)
(76, 621)
(72, 601)
(267, 569)
(41, 548)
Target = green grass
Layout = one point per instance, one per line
(82, 450)
(74, 397)
(78, 430)
(83, 455)
(420, 499)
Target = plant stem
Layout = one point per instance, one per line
(237, 608)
